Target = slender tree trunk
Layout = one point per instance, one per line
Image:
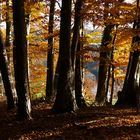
(103, 65)
(5, 76)
(78, 80)
(56, 78)
(20, 60)
(8, 30)
(9, 48)
(76, 59)
(105, 55)
(65, 98)
(137, 85)
(1, 83)
(76, 30)
(50, 68)
(1, 86)
(27, 21)
(5, 73)
(108, 80)
(112, 85)
(112, 66)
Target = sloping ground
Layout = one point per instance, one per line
(88, 124)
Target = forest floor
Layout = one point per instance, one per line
(94, 123)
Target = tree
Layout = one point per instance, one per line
(78, 79)
(101, 96)
(106, 55)
(20, 60)
(130, 92)
(65, 98)
(75, 58)
(50, 68)
(8, 46)
(76, 30)
(8, 30)
(5, 76)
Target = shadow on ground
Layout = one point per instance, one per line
(100, 123)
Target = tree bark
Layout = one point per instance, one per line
(20, 60)
(27, 22)
(130, 92)
(76, 59)
(105, 57)
(5, 76)
(8, 30)
(76, 30)
(50, 68)
(137, 85)
(8, 48)
(65, 98)
(101, 96)
(78, 79)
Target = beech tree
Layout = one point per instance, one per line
(20, 60)
(79, 78)
(5, 75)
(65, 98)
(75, 58)
(130, 92)
(106, 55)
(50, 68)
(101, 96)
(8, 30)
(8, 46)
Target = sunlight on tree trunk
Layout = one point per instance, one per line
(5, 75)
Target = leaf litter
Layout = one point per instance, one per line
(93, 123)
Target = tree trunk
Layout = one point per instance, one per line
(76, 30)
(129, 96)
(111, 66)
(103, 65)
(130, 91)
(1, 86)
(8, 48)
(27, 22)
(20, 60)
(78, 80)
(8, 30)
(50, 68)
(5, 76)
(65, 98)
(121, 94)
(76, 59)
(137, 85)
(105, 54)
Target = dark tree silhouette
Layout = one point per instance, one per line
(76, 59)
(65, 98)
(5, 75)
(20, 60)
(130, 92)
(50, 68)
